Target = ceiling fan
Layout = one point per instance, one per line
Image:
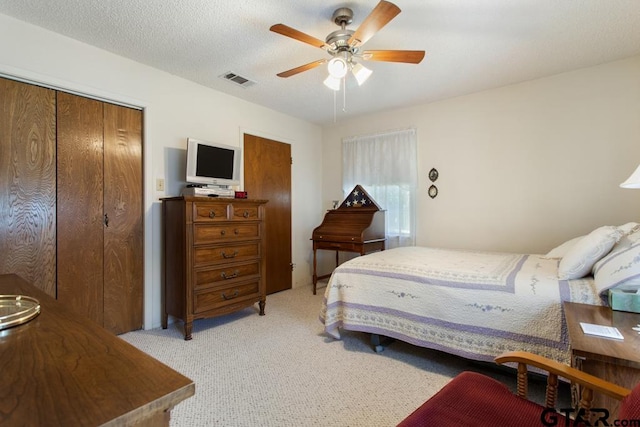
(344, 45)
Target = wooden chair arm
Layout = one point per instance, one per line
(586, 380)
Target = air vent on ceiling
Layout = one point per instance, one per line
(237, 79)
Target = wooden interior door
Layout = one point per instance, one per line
(123, 235)
(267, 175)
(80, 205)
(28, 183)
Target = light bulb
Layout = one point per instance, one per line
(338, 68)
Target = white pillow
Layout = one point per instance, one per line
(628, 228)
(580, 258)
(561, 250)
(621, 267)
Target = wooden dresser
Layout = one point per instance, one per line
(63, 369)
(214, 250)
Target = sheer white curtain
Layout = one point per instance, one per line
(385, 165)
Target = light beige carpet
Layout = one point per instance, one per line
(281, 370)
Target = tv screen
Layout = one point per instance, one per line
(214, 162)
(210, 163)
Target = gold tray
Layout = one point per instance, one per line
(17, 309)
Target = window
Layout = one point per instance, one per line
(386, 166)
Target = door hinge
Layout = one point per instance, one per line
(291, 160)
(292, 266)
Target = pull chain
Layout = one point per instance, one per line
(334, 106)
(344, 94)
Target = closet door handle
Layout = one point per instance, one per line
(106, 220)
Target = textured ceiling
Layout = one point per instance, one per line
(471, 45)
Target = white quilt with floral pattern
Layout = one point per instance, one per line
(473, 304)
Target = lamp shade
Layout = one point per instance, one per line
(633, 181)
(361, 73)
(332, 83)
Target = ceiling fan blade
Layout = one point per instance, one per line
(298, 35)
(300, 69)
(379, 17)
(408, 56)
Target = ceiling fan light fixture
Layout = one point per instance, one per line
(338, 68)
(333, 83)
(361, 73)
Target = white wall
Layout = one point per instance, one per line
(523, 167)
(174, 109)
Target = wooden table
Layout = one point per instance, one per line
(61, 369)
(617, 361)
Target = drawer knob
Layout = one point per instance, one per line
(246, 214)
(232, 296)
(236, 231)
(227, 256)
(223, 232)
(232, 276)
(212, 214)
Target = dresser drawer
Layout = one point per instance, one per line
(206, 255)
(244, 212)
(210, 299)
(207, 212)
(211, 233)
(342, 246)
(214, 276)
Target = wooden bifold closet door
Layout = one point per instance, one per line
(124, 237)
(71, 200)
(28, 183)
(99, 193)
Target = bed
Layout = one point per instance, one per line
(477, 304)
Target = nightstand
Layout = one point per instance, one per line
(617, 361)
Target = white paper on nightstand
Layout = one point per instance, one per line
(601, 331)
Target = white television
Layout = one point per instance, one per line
(213, 164)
